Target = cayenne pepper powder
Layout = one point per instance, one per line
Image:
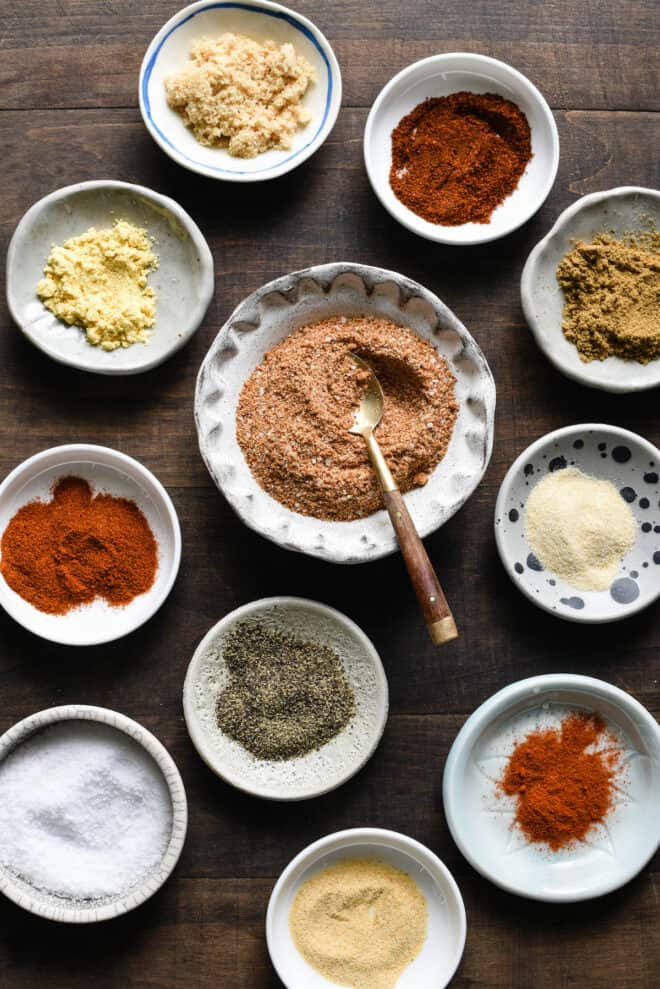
(65, 552)
(456, 158)
(563, 780)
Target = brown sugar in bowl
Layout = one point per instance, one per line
(260, 322)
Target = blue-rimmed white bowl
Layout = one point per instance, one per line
(261, 20)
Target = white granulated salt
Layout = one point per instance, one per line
(85, 812)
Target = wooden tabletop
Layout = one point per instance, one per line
(68, 96)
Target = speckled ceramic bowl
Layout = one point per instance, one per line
(632, 464)
(45, 904)
(617, 211)
(318, 771)
(270, 314)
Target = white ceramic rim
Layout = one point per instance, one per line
(528, 454)
(192, 320)
(491, 709)
(298, 157)
(527, 292)
(409, 219)
(378, 836)
(86, 712)
(198, 736)
(87, 451)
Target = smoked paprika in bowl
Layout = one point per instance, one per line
(514, 185)
(119, 556)
(551, 855)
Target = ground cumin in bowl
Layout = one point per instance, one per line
(277, 444)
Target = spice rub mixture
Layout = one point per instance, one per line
(564, 779)
(612, 297)
(296, 409)
(456, 158)
(360, 923)
(286, 695)
(242, 95)
(98, 281)
(65, 552)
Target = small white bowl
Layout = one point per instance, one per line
(441, 75)
(109, 471)
(482, 825)
(58, 908)
(183, 282)
(261, 20)
(598, 447)
(443, 949)
(270, 314)
(617, 211)
(319, 771)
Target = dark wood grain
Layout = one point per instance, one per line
(68, 73)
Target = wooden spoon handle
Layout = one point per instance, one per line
(439, 619)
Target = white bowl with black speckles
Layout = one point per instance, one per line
(481, 820)
(59, 908)
(272, 312)
(617, 211)
(321, 770)
(613, 454)
(183, 282)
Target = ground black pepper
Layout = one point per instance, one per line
(286, 696)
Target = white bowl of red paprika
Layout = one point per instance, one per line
(420, 156)
(90, 544)
(552, 788)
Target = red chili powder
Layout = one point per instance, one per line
(456, 158)
(563, 779)
(65, 552)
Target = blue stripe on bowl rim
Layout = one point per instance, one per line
(280, 15)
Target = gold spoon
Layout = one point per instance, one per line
(439, 619)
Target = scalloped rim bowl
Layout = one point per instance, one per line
(261, 20)
(183, 282)
(481, 827)
(110, 471)
(620, 211)
(441, 75)
(325, 768)
(57, 908)
(270, 314)
(443, 948)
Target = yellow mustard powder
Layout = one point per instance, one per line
(360, 923)
(98, 281)
(242, 95)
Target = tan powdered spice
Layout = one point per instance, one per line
(612, 293)
(360, 923)
(296, 409)
(579, 527)
(242, 95)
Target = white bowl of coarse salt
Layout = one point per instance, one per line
(93, 814)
